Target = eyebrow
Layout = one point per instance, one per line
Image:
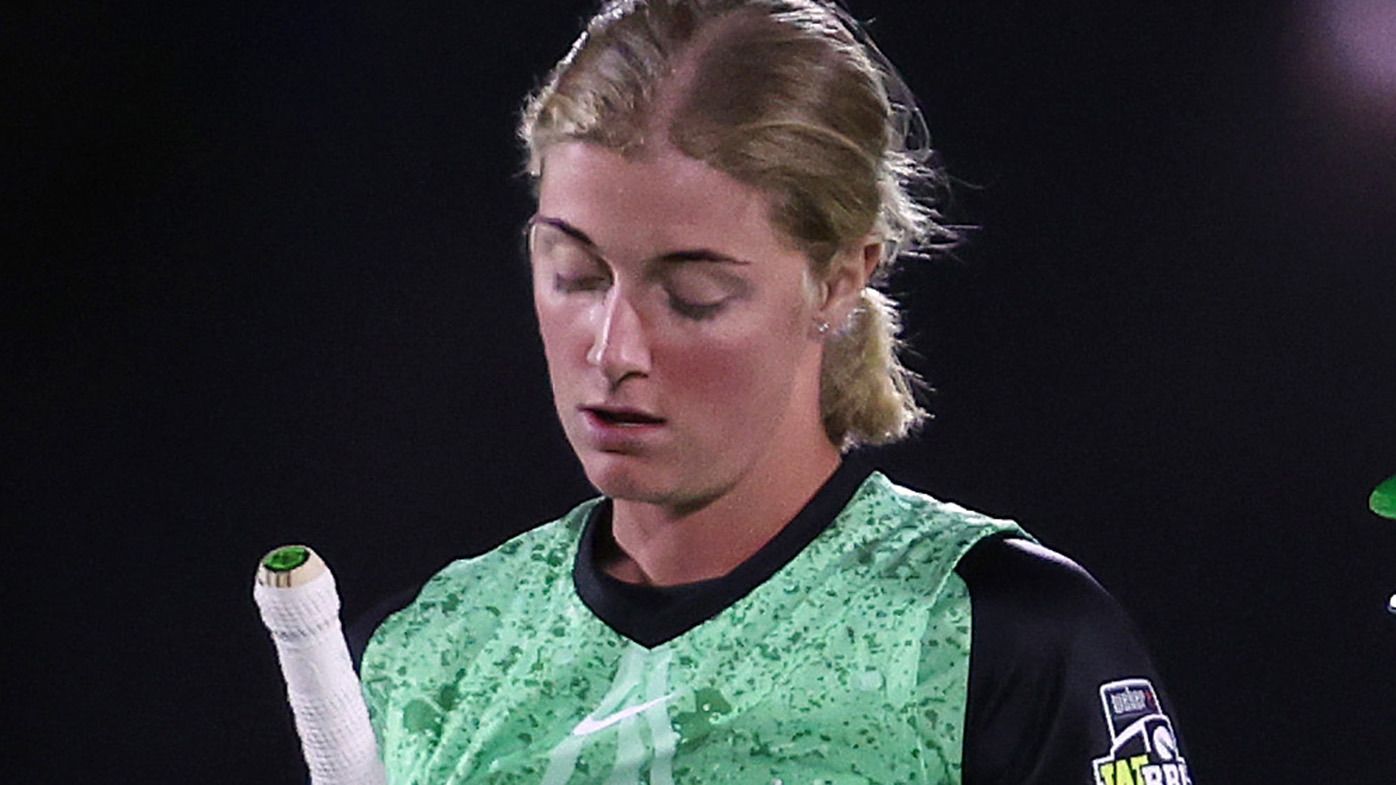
(676, 257)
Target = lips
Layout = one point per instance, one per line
(619, 416)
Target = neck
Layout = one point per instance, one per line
(663, 546)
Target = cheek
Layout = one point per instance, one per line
(746, 374)
(743, 382)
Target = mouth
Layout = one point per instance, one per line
(622, 417)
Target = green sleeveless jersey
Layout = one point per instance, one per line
(848, 665)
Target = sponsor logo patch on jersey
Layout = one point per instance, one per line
(1143, 746)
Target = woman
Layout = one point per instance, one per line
(718, 183)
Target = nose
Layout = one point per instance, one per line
(619, 347)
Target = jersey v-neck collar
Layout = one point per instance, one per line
(654, 615)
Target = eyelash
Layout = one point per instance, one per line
(693, 311)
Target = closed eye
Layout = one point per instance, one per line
(695, 311)
(582, 283)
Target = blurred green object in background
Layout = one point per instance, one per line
(1383, 499)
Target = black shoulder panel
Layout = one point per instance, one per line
(1060, 686)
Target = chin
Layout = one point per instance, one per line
(618, 477)
(627, 478)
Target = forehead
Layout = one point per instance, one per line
(654, 204)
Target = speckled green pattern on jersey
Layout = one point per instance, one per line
(848, 666)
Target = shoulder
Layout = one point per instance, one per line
(900, 546)
(527, 556)
(531, 553)
(912, 528)
(881, 499)
(1038, 616)
(1048, 646)
(536, 556)
(1033, 593)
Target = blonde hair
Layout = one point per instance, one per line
(788, 96)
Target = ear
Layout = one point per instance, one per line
(849, 274)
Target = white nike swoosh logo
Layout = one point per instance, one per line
(590, 725)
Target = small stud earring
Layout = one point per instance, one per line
(822, 327)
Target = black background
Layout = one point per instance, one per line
(262, 285)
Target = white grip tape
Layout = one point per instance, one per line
(323, 690)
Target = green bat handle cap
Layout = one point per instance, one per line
(286, 558)
(288, 566)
